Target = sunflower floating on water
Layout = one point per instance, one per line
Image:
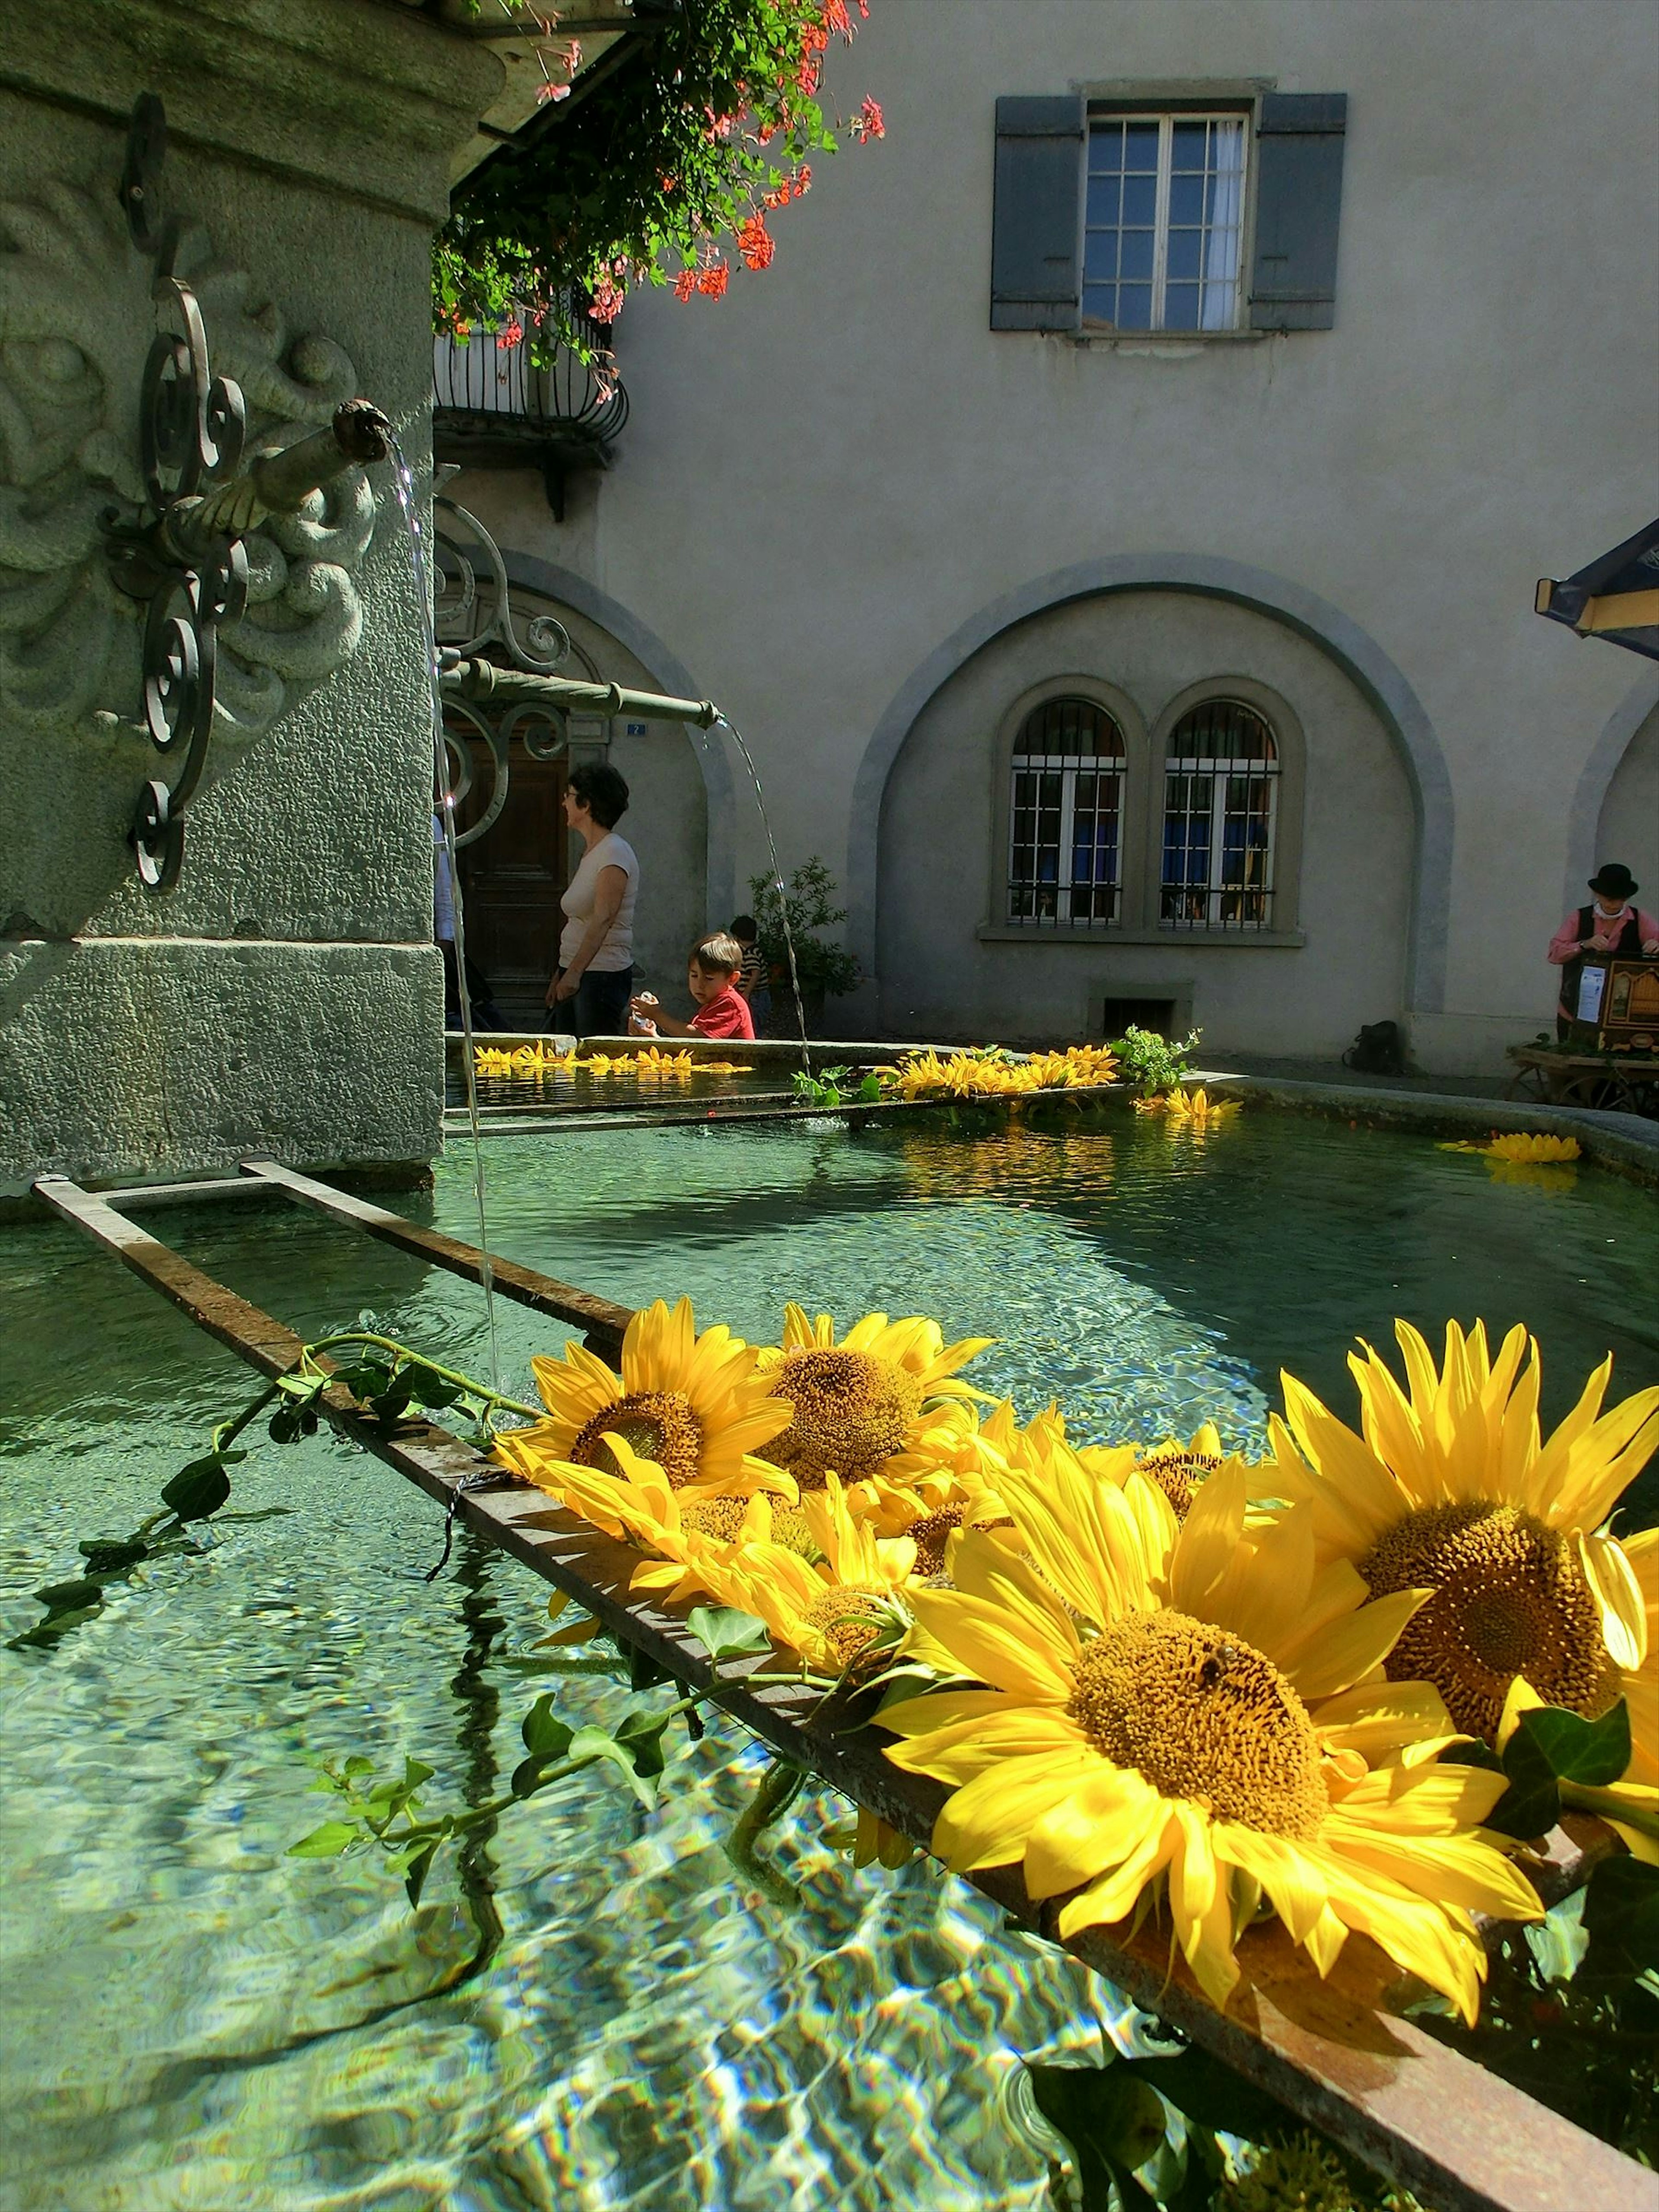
(1194, 1708)
(1449, 1488)
(859, 1401)
(695, 1405)
(1520, 1150)
(1194, 1111)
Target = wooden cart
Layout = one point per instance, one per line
(1619, 1082)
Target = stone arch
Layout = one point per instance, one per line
(671, 675)
(1378, 678)
(1624, 730)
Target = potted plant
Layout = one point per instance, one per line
(826, 971)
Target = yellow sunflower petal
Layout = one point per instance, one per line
(1112, 1896)
(1103, 1817)
(988, 1645)
(987, 1821)
(1350, 1650)
(1618, 1598)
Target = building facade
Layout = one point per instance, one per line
(1113, 522)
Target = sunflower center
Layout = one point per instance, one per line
(1510, 1598)
(930, 1535)
(851, 1412)
(1177, 1474)
(1204, 1717)
(723, 1518)
(848, 1622)
(655, 1424)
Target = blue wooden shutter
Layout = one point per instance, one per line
(1298, 207)
(1036, 225)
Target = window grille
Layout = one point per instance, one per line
(1066, 818)
(1164, 222)
(1220, 815)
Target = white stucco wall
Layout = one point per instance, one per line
(1628, 828)
(839, 468)
(943, 856)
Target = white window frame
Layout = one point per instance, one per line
(1068, 767)
(1166, 119)
(1268, 768)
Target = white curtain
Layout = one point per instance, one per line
(1218, 301)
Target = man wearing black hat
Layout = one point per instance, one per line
(1612, 925)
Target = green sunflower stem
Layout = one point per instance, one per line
(1610, 1805)
(780, 1786)
(473, 1388)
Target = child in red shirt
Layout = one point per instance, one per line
(711, 978)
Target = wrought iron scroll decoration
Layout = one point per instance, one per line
(545, 646)
(191, 425)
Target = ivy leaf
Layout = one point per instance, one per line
(726, 1633)
(428, 1388)
(1531, 1805)
(1202, 2089)
(1113, 2124)
(593, 1744)
(1621, 1919)
(641, 1735)
(326, 1842)
(416, 1871)
(200, 1489)
(113, 1556)
(545, 1735)
(1593, 1752)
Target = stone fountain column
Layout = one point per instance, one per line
(284, 993)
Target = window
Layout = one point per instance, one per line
(1065, 817)
(1164, 221)
(1220, 810)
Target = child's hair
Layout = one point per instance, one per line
(745, 930)
(717, 954)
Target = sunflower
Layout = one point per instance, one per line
(841, 1612)
(860, 1403)
(1642, 1553)
(1450, 1489)
(1522, 1150)
(695, 1406)
(1191, 1704)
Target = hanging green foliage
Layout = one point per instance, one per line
(665, 172)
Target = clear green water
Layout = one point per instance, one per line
(190, 2019)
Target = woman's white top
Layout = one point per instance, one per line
(616, 950)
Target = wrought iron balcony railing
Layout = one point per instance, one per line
(492, 409)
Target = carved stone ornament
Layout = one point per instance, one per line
(77, 321)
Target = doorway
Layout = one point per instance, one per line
(513, 879)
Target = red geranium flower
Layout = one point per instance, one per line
(868, 124)
(756, 243)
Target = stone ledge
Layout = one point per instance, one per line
(360, 98)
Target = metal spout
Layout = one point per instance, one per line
(278, 483)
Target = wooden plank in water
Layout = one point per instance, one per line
(602, 1322)
(1461, 2139)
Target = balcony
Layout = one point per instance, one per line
(492, 409)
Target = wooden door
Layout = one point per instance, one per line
(512, 880)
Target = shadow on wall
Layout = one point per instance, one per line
(1234, 778)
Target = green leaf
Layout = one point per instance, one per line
(326, 1842)
(1112, 2121)
(428, 1388)
(1594, 1752)
(725, 1633)
(198, 1490)
(417, 1871)
(869, 1089)
(545, 1735)
(1203, 2090)
(641, 1735)
(68, 1597)
(1621, 1919)
(416, 1772)
(114, 1556)
(358, 1765)
(593, 1744)
(1531, 1805)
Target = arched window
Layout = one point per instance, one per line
(1220, 810)
(1064, 815)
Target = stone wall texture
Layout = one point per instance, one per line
(285, 995)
